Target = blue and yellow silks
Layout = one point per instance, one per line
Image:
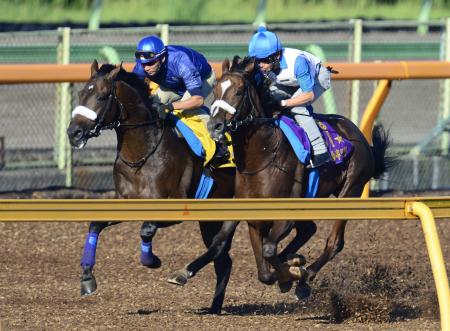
(199, 139)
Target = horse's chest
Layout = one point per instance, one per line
(133, 185)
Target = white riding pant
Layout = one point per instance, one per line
(165, 95)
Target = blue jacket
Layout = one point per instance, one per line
(182, 71)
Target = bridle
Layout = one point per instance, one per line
(99, 122)
(100, 126)
(251, 117)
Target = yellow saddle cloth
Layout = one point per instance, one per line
(199, 129)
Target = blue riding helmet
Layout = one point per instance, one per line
(149, 49)
(263, 44)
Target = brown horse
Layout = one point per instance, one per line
(152, 162)
(268, 168)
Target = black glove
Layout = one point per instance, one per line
(163, 109)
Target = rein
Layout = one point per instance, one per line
(234, 124)
(116, 124)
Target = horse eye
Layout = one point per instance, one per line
(239, 93)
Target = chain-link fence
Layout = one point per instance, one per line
(31, 137)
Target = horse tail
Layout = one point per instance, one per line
(381, 141)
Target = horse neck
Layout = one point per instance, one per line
(138, 133)
(256, 140)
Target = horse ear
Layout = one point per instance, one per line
(225, 65)
(94, 68)
(113, 74)
(236, 60)
(249, 67)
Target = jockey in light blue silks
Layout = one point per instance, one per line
(296, 79)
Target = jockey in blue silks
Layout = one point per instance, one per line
(185, 80)
(295, 79)
(184, 76)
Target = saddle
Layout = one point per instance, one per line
(339, 147)
(192, 128)
(199, 140)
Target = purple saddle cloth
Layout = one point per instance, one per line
(339, 147)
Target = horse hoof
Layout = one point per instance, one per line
(155, 263)
(296, 260)
(179, 277)
(298, 273)
(285, 286)
(302, 291)
(88, 287)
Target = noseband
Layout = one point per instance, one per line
(252, 117)
(99, 121)
(99, 126)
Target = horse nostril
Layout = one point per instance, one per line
(76, 134)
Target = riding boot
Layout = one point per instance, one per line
(320, 155)
(221, 153)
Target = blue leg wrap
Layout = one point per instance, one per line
(146, 253)
(90, 247)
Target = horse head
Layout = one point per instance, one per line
(236, 102)
(102, 103)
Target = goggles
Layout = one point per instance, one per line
(268, 60)
(145, 55)
(149, 58)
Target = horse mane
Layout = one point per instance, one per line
(130, 78)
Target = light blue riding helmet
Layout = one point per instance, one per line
(149, 49)
(263, 44)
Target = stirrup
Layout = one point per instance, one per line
(320, 160)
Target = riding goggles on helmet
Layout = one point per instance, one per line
(268, 60)
(147, 57)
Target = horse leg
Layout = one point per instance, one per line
(222, 261)
(217, 246)
(88, 282)
(148, 231)
(334, 243)
(304, 231)
(256, 238)
(278, 231)
(148, 259)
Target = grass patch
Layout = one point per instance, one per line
(213, 11)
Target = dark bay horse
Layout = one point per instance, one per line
(152, 162)
(268, 168)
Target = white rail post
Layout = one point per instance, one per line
(445, 89)
(63, 98)
(164, 28)
(356, 48)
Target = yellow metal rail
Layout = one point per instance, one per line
(132, 210)
(129, 210)
(436, 259)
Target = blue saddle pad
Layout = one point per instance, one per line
(192, 140)
(206, 181)
(301, 146)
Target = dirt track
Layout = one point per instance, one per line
(382, 280)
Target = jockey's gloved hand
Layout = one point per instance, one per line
(163, 109)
